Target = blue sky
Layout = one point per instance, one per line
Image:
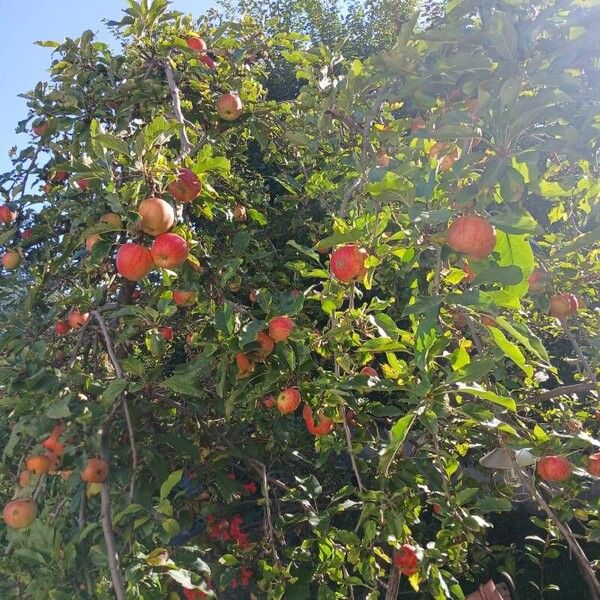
(23, 64)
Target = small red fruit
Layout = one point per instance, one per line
(280, 328)
(288, 400)
(77, 319)
(593, 467)
(134, 261)
(184, 297)
(369, 372)
(322, 427)
(267, 345)
(6, 214)
(437, 509)
(61, 328)
(19, 514)
(196, 44)
(169, 250)
(348, 262)
(41, 128)
(186, 187)
(563, 305)
(554, 468)
(268, 401)
(406, 560)
(537, 280)
(26, 234)
(37, 464)
(229, 107)
(95, 471)
(58, 176)
(239, 212)
(166, 332)
(244, 365)
(11, 260)
(472, 235)
(157, 215)
(83, 184)
(208, 61)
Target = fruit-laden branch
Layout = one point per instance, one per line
(115, 361)
(584, 564)
(393, 583)
(585, 363)
(186, 146)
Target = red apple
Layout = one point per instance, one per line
(41, 127)
(244, 365)
(472, 235)
(564, 304)
(166, 332)
(196, 44)
(58, 176)
(6, 214)
(169, 250)
(77, 319)
(19, 514)
(26, 234)
(83, 184)
(593, 467)
(369, 372)
(229, 107)
(112, 219)
(207, 60)
(554, 468)
(11, 260)
(184, 297)
(406, 560)
(266, 343)
(61, 328)
(134, 261)
(348, 262)
(323, 426)
(280, 328)
(91, 240)
(537, 280)
(136, 295)
(268, 401)
(186, 187)
(288, 400)
(157, 216)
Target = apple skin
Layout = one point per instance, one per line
(41, 128)
(280, 328)
(6, 214)
(11, 260)
(323, 426)
(229, 107)
(196, 44)
(554, 468)
(563, 305)
(91, 240)
(58, 176)
(38, 464)
(266, 343)
(26, 234)
(83, 184)
(61, 328)
(348, 262)
(207, 60)
(184, 297)
(77, 319)
(157, 215)
(186, 187)
(369, 372)
(239, 212)
(593, 467)
(112, 219)
(268, 401)
(244, 365)
(19, 514)
(95, 471)
(169, 250)
(472, 235)
(406, 560)
(166, 332)
(134, 262)
(537, 280)
(288, 400)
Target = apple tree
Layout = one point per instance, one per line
(326, 346)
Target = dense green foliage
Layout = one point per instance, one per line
(382, 142)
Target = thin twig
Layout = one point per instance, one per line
(474, 335)
(115, 361)
(80, 525)
(584, 564)
(585, 363)
(438, 270)
(564, 390)
(186, 146)
(78, 343)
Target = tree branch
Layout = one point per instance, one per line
(393, 583)
(564, 390)
(186, 146)
(585, 363)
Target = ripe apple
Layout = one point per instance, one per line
(280, 328)
(134, 261)
(6, 214)
(537, 280)
(239, 212)
(83, 184)
(268, 401)
(554, 468)
(136, 295)
(11, 260)
(157, 216)
(77, 319)
(41, 127)
(229, 107)
(348, 262)
(437, 508)
(95, 470)
(369, 372)
(112, 219)
(26, 234)
(244, 365)
(169, 250)
(184, 297)
(53, 443)
(37, 464)
(208, 61)
(563, 305)
(593, 467)
(196, 44)
(406, 560)
(288, 400)
(186, 187)
(19, 514)
(323, 426)
(91, 240)
(266, 343)
(472, 235)
(166, 332)
(58, 176)
(61, 328)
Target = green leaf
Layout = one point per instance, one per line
(587, 239)
(170, 482)
(182, 384)
(60, 409)
(112, 143)
(523, 334)
(224, 319)
(493, 504)
(398, 434)
(479, 392)
(515, 250)
(511, 350)
(112, 391)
